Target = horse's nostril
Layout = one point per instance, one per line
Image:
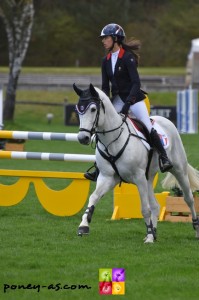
(85, 140)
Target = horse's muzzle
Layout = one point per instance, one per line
(84, 138)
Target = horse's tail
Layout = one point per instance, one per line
(170, 181)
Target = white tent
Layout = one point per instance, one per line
(194, 48)
(192, 66)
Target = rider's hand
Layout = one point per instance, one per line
(126, 107)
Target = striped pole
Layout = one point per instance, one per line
(46, 156)
(31, 135)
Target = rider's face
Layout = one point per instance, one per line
(107, 42)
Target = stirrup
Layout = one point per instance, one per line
(166, 165)
(92, 175)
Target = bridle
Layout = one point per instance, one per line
(84, 105)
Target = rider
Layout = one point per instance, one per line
(119, 68)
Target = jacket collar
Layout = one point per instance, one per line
(120, 55)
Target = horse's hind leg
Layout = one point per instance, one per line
(183, 181)
(104, 184)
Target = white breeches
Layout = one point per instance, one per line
(138, 110)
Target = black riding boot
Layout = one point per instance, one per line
(164, 162)
(92, 175)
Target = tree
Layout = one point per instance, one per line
(17, 16)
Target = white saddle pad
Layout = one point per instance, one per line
(163, 137)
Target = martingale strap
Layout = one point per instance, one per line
(112, 159)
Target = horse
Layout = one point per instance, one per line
(121, 156)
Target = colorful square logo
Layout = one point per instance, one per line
(112, 281)
(118, 288)
(118, 274)
(105, 275)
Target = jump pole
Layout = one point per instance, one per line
(31, 135)
(46, 156)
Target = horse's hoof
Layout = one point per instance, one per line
(83, 230)
(149, 239)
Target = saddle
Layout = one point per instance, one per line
(140, 126)
(143, 133)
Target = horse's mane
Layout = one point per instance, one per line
(107, 103)
(105, 99)
(102, 95)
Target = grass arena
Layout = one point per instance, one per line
(41, 248)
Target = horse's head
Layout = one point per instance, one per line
(88, 109)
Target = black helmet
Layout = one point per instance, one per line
(113, 30)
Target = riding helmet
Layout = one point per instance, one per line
(113, 30)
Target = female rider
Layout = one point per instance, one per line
(119, 68)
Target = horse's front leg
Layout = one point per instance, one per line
(104, 184)
(154, 205)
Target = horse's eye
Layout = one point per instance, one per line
(93, 109)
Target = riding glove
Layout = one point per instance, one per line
(126, 107)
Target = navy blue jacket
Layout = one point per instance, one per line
(125, 81)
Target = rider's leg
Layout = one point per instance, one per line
(164, 162)
(140, 111)
(118, 104)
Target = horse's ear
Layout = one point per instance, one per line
(93, 91)
(77, 90)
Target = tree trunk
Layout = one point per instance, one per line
(9, 104)
(18, 19)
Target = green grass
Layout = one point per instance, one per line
(40, 248)
(96, 70)
(165, 98)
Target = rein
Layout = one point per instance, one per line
(111, 130)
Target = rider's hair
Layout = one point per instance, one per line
(133, 46)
